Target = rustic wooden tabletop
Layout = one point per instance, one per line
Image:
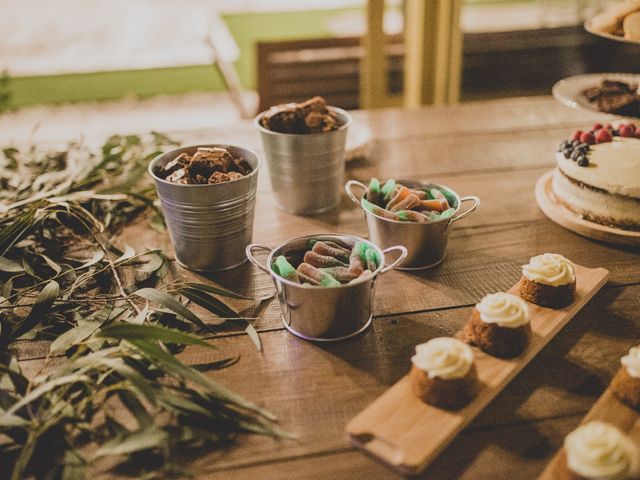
(495, 150)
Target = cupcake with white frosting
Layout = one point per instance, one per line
(443, 373)
(626, 383)
(600, 451)
(549, 280)
(499, 325)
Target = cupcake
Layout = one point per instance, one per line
(548, 280)
(499, 325)
(598, 450)
(443, 373)
(626, 383)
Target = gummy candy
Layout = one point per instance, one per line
(316, 260)
(337, 252)
(373, 192)
(317, 275)
(328, 263)
(388, 188)
(438, 204)
(409, 202)
(285, 269)
(340, 273)
(372, 259)
(399, 202)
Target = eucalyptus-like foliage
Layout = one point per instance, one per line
(112, 393)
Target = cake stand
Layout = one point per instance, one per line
(569, 220)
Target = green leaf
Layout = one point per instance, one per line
(73, 337)
(150, 333)
(43, 304)
(53, 265)
(152, 437)
(209, 302)
(10, 234)
(128, 253)
(253, 335)
(222, 291)
(8, 265)
(154, 263)
(166, 300)
(97, 256)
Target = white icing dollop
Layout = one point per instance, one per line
(443, 357)
(503, 309)
(599, 450)
(632, 361)
(550, 269)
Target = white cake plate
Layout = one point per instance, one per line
(569, 220)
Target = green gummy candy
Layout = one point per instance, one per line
(329, 281)
(451, 200)
(372, 256)
(367, 205)
(447, 213)
(285, 269)
(361, 250)
(374, 185)
(388, 187)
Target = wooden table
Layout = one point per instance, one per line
(496, 150)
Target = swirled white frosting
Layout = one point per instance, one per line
(550, 269)
(632, 361)
(503, 309)
(443, 357)
(599, 450)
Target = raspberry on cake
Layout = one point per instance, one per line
(548, 280)
(626, 383)
(600, 451)
(499, 325)
(598, 175)
(443, 373)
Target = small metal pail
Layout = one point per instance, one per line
(426, 242)
(306, 170)
(210, 225)
(324, 314)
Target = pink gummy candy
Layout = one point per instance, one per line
(322, 261)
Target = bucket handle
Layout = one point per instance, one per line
(348, 187)
(468, 198)
(249, 252)
(403, 255)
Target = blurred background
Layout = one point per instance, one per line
(87, 67)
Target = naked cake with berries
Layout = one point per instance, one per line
(598, 175)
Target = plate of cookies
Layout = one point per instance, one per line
(613, 93)
(619, 22)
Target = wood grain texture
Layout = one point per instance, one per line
(607, 409)
(407, 433)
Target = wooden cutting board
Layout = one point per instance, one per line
(407, 434)
(608, 409)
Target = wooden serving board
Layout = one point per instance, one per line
(407, 434)
(569, 220)
(608, 409)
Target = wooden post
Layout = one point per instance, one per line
(433, 49)
(373, 79)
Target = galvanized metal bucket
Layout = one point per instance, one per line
(210, 225)
(306, 170)
(426, 242)
(324, 314)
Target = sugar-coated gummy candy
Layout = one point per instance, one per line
(400, 195)
(358, 259)
(283, 268)
(437, 204)
(319, 276)
(340, 273)
(421, 194)
(316, 260)
(413, 216)
(451, 199)
(409, 202)
(337, 252)
(448, 213)
(373, 192)
(388, 188)
(379, 211)
(372, 259)
(435, 193)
